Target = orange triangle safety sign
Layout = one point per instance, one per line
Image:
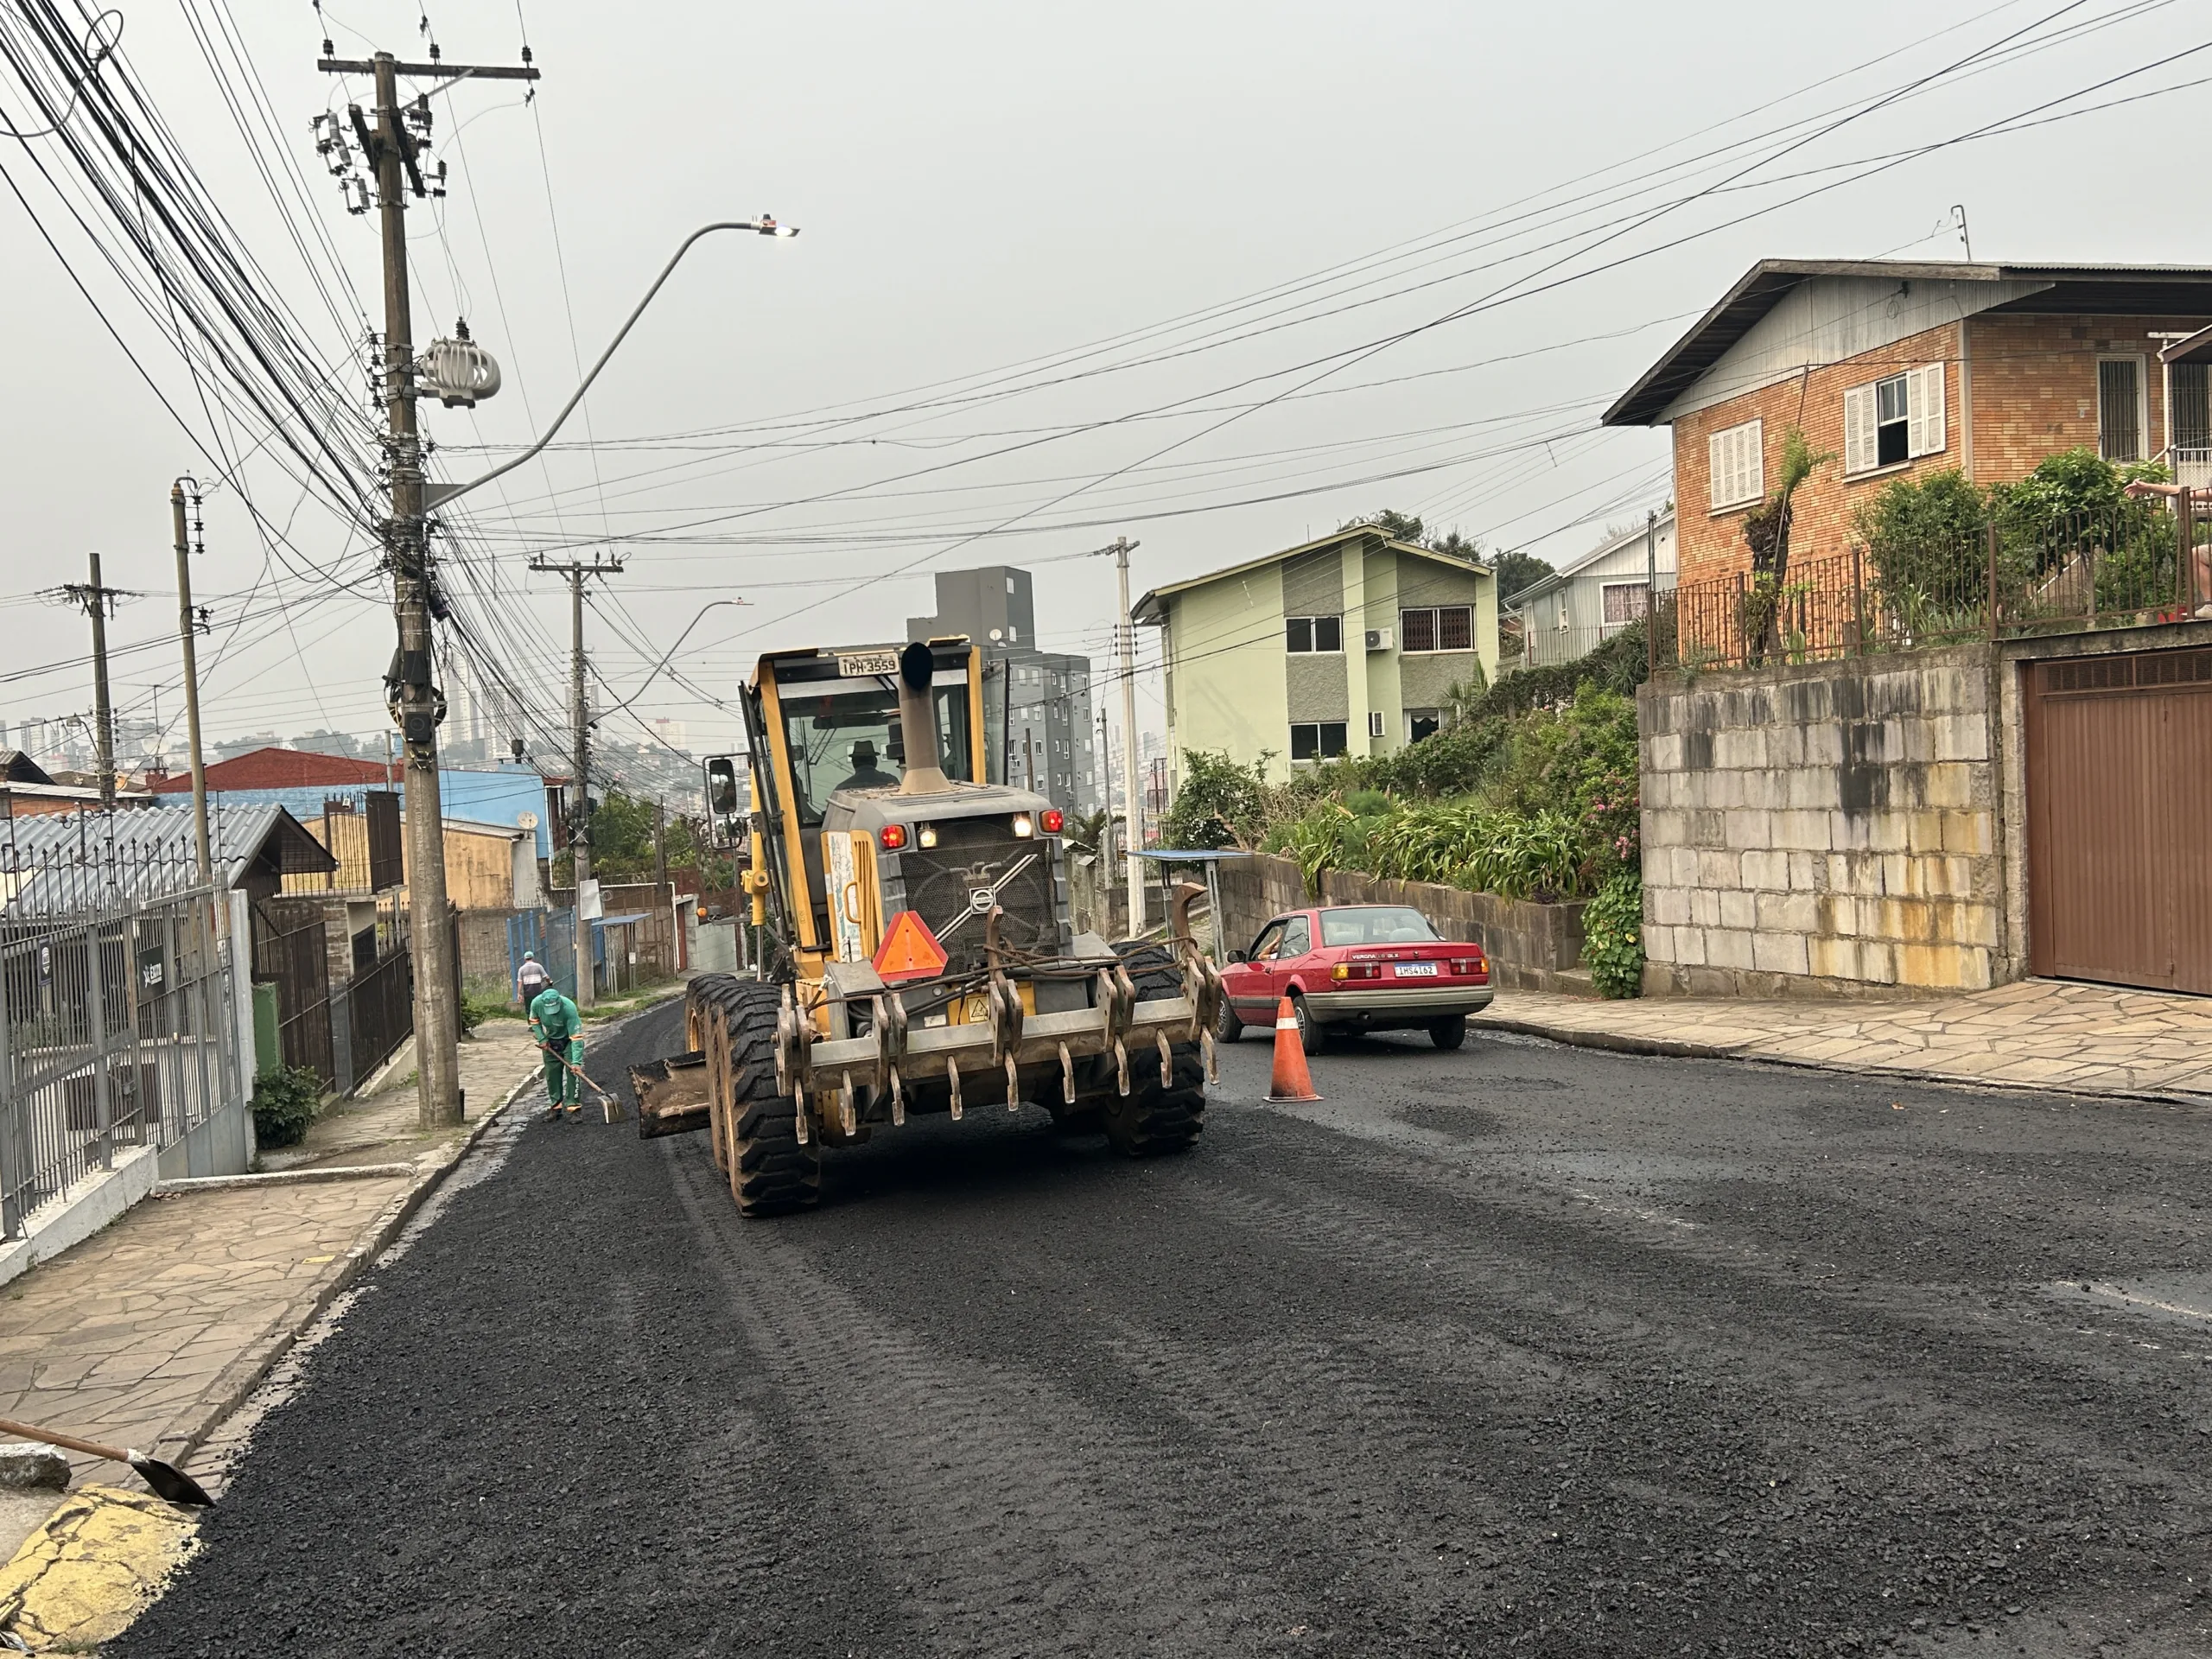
(909, 950)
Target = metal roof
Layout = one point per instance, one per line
(61, 860)
(2114, 290)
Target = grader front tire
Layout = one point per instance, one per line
(771, 1172)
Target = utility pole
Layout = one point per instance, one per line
(188, 630)
(1125, 633)
(579, 717)
(98, 602)
(392, 149)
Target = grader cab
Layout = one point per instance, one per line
(916, 952)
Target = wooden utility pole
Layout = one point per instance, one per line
(188, 630)
(579, 744)
(392, 149)
(97, 600)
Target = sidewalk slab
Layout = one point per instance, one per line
(2039, 1033)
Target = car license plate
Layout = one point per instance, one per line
(1417, 970)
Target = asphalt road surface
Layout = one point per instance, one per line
(1517, 1349)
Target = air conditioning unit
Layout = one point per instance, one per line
(1378, 639)
(1374, 723)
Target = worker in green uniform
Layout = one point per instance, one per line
(558, 1029)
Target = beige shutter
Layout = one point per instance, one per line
(1924, 400)
(1753, 482)
(1716, 468)
(1859, 449)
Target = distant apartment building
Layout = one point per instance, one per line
(1037, 717)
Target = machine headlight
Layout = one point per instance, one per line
(1024, 826)
(927, 835)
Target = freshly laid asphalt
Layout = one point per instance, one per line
(1515, 1350)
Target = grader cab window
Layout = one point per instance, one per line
(849, 738)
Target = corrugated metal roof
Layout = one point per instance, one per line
(62, 860)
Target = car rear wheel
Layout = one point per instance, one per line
(1449, 1033)
(1313, 1036)
(1227, 1028)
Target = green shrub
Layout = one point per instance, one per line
(284, 1105)
(1612, 937)
(1217, 803)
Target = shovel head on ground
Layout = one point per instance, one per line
(166, 1478)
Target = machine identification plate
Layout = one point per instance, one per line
(856, 664)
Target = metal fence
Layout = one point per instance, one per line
(2116, 569)
(117, 1029)
(291, 949)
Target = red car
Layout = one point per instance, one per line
(1356, 968)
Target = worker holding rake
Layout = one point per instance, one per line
(558, 1030)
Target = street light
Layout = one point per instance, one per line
(436, 495)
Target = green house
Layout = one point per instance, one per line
(1345, 645)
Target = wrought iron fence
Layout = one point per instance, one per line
(291, 949)
(117, 1029)
(2018, 575)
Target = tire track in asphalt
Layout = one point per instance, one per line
(1013, 1524)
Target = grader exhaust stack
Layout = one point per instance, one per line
(921, 775)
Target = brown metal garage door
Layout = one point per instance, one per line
(2120, 819)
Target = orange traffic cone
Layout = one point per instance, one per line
(1292, 1081)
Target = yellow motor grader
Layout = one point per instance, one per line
(916, 952)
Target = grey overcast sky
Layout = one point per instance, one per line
(1065, 273)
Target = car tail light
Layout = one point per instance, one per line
(1356, 970)
(892, 835)
(1466, 964)
(1049, 820)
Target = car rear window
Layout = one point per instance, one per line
(1381, 925)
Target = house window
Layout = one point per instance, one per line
(1443, 627)
(1898, 418)
(1736, 458)
(2119, 408)
(1317, 740)
(1304, 634)
(1420, 723)
(2191, 415)
(1624, 601)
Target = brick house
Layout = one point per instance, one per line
(1901, 369)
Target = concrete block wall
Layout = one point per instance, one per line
(1825, 827)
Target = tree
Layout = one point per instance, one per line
(1409, 527)
(1766, 528)
(1517, 571)
(1219, 803)
(1923, 538)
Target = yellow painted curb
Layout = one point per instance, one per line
(98, 1561)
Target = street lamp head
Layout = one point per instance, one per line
(767, 226)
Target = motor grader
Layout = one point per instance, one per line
(916, 953)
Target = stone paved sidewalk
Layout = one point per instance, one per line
(152, 1329)
(2084, 1039)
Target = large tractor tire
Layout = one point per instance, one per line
(757, 1132)
(1153, 1118)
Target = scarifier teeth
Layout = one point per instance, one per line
(1207, 1047)
(952, 1076)
(798, 1101)
(845, 1116)
(1122, 1064)
(1013, 1087)
(1067, 1076)
(898, 1100)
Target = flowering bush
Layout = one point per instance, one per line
(1612, 937)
